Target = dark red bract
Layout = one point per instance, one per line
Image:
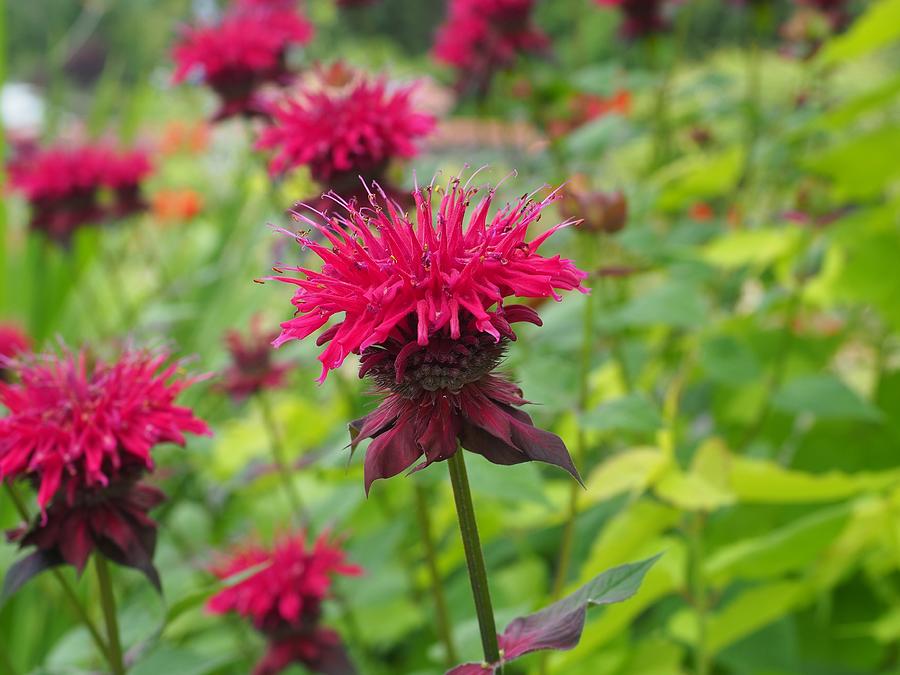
(482, 37)
(423, 306)
(244, 51)
(443, 395)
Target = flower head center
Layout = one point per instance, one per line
(443, 365)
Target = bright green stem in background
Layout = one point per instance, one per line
(468, 529)
(661, 136)
(760, 26)
(278, 456)
(698, 592)
(442, 615)
(776, 376)
(108, 602)
(69, 592)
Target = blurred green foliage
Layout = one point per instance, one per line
(743, 410)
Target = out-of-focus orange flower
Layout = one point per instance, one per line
(176, 205)
(702, 212)
(179, 136)
(584, 108)
(597, 106)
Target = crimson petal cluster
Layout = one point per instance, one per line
(283, 599)
(482, 37)
(424, 306)
(244, 51)
(343, 133)
(251, 369)
(13, 342)
(64, 186)
(82, 431)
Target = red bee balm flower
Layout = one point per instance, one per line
(342, 134)
(246, 50)
(482, 37)
(251, 368)
(63, 186)
(423, 306)
(83, 433)
(284, 600)
(13, 341)
(640, 17)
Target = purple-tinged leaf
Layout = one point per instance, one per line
(559, 626)
(26, 568)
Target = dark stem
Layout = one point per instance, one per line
(442, 615)
(68, 591)
(468, 530)
(108, 602)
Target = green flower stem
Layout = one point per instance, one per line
(108, 602)
(753, 105)
(6, 664)
(276, 446)
(468, 529)
(779, 368)
(661, 137)
(442, 615)
(68, 591)
(698, 592)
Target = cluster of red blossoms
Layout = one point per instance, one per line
(244, 51)
(345, 133)
(640, 18)
(481, 37)
(251, 369)
(284, 600)
(69, 187)
(423, 305)
(13, 342)
(82, 431)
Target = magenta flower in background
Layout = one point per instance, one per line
(283, 600)
(13, 342)
(345, 132)
(640, 18)
(64, 186)
(244, 51)
(422, 303)
(482, 37)
(123, 174)
(82, 431)
(251, 369)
